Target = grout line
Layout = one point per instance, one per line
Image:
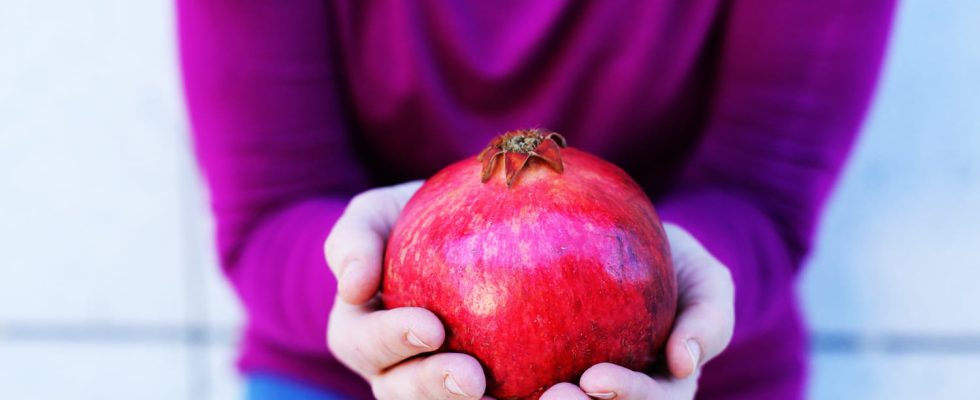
(196, 336)
(850, 343)
(201, 337)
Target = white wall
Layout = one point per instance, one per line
(108, 288)
(894, 287)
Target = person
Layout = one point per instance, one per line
(734, 116)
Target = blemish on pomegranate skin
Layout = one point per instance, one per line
(489, 251)
(524, 250)
(401, 255)
(515, 226)
(483, 299)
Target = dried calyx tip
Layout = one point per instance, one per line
(518, 147)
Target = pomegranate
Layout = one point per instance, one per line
(540, 260)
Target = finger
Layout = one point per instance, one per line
(369, 342)
(706, 316)
(564, 391)
(610, 381)
(355, 246)
(354, 252)
(441, 376)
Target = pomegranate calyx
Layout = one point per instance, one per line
(517, 148)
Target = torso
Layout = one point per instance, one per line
(430, 84)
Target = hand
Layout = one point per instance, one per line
(382, 345)
(703, 329)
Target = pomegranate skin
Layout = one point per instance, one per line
(540, 280)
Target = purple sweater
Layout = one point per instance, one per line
(735, 116)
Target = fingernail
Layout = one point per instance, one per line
(694, 349)
(415, 341)
(452, 386)
(602, 395)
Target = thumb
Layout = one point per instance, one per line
(706, 315)
(354, 250)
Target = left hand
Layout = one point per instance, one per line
(705, 320)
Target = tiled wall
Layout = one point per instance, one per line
(108, 288)
(894, 287)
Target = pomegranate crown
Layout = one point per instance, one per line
(517, 148)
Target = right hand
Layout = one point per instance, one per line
(382, 345)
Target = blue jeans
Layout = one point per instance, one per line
(264, 386)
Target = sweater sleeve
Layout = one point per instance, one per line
(270, 136)
(794, 82)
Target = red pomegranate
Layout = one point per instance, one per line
(540, 260)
